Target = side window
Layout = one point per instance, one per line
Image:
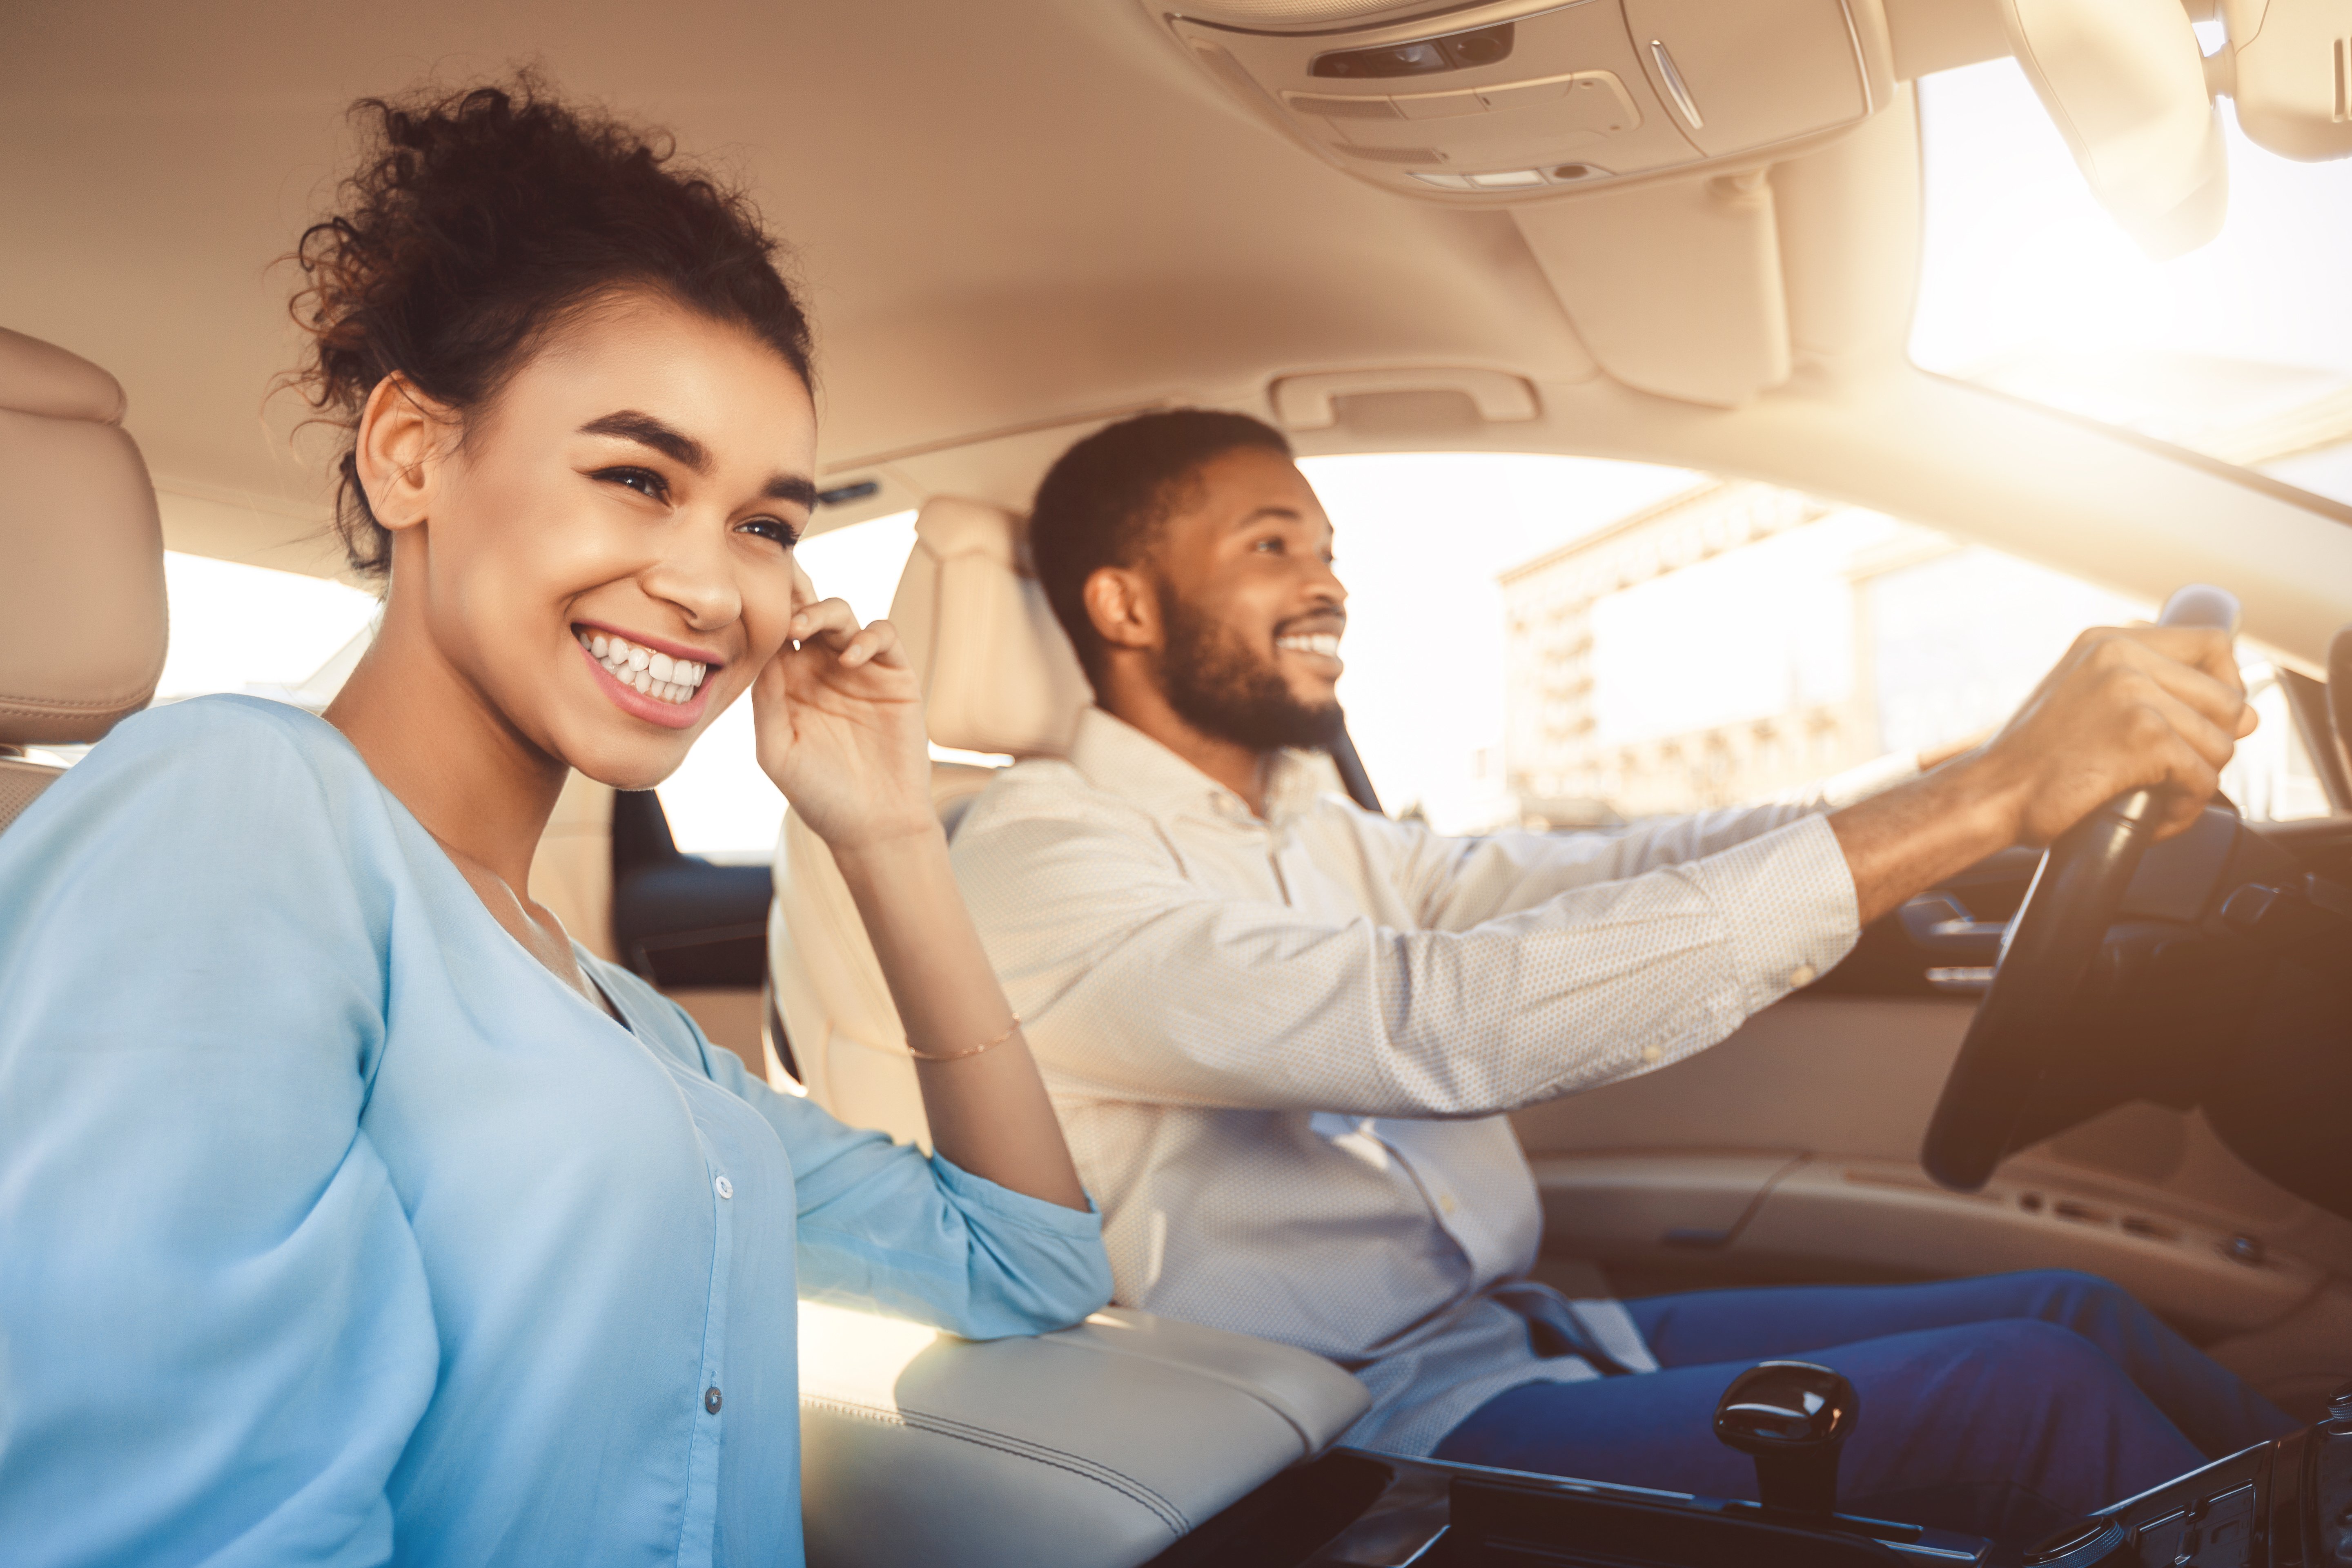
(255, 630)
(258, 631)
(1737, 641)
(2275, 776)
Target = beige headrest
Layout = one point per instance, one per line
(81, 594)
(998, 673)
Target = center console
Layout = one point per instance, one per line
(2286, 1504)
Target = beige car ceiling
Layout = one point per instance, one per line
(1017, 218)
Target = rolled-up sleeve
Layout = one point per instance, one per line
(216, 1335)
(1140, 983)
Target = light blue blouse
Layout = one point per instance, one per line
(334, 1228)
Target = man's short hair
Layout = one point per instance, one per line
(1103, 502)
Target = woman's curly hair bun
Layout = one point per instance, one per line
(476, 222)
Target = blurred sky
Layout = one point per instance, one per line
(2021, 264)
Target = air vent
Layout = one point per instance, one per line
(842, 495)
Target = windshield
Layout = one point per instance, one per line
(2242, 347)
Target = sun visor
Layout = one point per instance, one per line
(1501, 104)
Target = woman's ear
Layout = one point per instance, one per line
(402, 437)
(1123, 607)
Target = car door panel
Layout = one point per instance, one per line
(1788, 1153)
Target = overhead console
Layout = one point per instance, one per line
(1500, 103)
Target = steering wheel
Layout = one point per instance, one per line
(2017, 1035)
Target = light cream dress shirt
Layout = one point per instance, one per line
(1281, 1048)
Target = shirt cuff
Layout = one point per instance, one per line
(970, 1191)
(1857, 784)
(1788, 908)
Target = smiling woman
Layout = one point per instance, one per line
(426, 1234)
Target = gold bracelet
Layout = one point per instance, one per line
(1010, 1030)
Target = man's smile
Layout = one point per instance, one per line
(1315, 643)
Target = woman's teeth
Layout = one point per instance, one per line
(658, 676)
(1325, 643)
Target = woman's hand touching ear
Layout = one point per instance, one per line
(840, 717)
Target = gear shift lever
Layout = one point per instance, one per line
(1791, 1417)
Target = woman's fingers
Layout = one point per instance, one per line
(828, 621)
(884, 647)
(831, 624)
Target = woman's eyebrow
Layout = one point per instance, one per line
(648, 431)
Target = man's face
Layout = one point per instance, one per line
(1253, 614)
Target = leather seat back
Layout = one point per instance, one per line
(999, 676)
(81, 599)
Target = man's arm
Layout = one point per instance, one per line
(1139, 984)
(1453, 884)
(2144, 707)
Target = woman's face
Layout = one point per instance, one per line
(606, 553)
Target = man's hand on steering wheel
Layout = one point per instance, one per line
(2121, 745)
(2130, 707)
(2126, 707)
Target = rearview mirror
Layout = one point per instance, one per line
(2125, 80)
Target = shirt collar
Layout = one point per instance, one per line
(1117, 756)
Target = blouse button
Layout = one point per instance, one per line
(710, 1400)
(1803, 974)
(726, 1187)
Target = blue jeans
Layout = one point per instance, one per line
(2001, 1407)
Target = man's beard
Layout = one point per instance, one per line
(1216, 685)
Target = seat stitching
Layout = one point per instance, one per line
(947, 1426)
(66, 705)
(1106, 1476)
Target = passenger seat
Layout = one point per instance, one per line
(999, 676)
(1099, 1447)
(81, 599)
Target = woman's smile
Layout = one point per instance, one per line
(645, 682)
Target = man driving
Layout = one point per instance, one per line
(1282, 1031)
